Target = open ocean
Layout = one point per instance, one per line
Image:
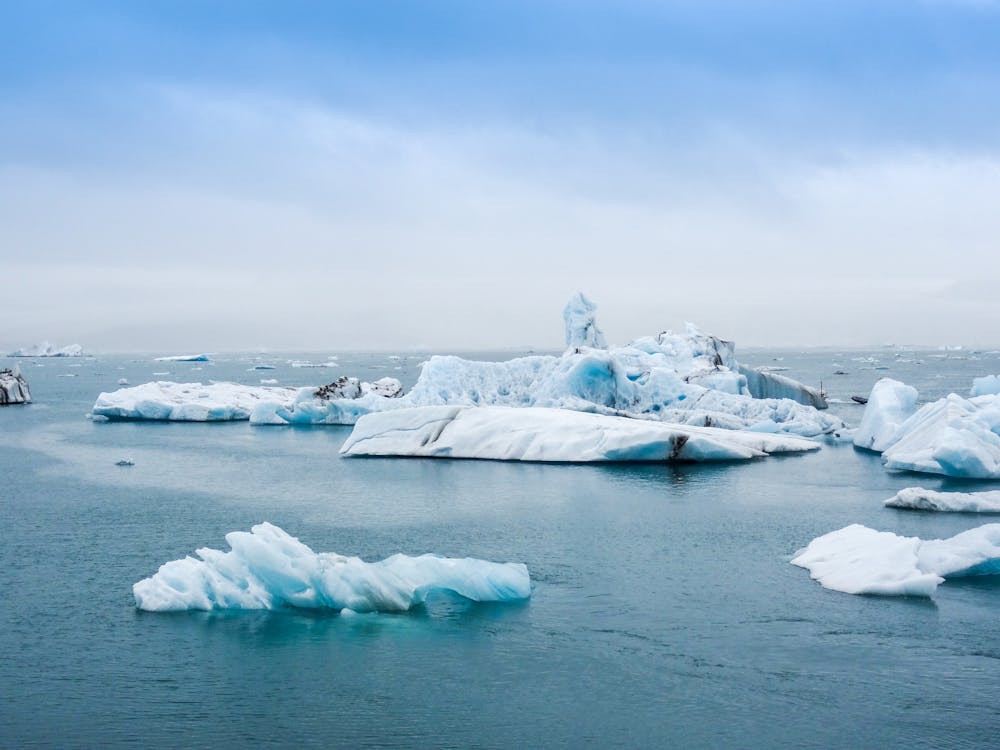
(664, 614)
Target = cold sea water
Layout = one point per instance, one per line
(664, 612)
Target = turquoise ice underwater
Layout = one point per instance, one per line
(664, 608)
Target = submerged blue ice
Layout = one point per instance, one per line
(269, 569)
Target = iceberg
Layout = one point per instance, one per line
(542, 434)
(343, 401)
(860, 560)
(183, 358)
(266, 568)
(581, 323)
(764, 383)
(889, 404)
(187, 402)
(917, 498)
(13, 387)
(988, 385)
(45, 349)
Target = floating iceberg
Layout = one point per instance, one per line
(341, 402)
(859, 560)
(187, 402)
(765, 383)
(581, 323)
(889, 405)
(184, 358)
(917, 498)
(540, 434)
(268, 569)
(45, 349)
(985, 386)
(13, 387)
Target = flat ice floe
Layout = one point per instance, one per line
(187, 402)
(541, 434)
(184, 358)
(267, 568)
(917, 498)
(860, 560)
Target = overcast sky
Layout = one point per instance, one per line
(208, 176)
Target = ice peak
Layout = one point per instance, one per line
(581, 323)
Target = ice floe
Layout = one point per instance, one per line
(541, 434)
(266, 568)
(917, 498)
(13, 387)
(187, 402)
(889, 404)
(45, 349)
(860, 560)
(184, 358)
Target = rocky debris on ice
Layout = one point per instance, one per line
(860, 560)
(267, 568)
(13, 387)
(917, 498)
(45, 349)
(541, 434)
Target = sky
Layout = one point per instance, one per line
(442, 175)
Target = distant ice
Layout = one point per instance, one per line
(187, 402)
(860, 560)
(184, 358)
(269, 569)
(540, 434)
(45, 349)
(13, 387)
(917, 498)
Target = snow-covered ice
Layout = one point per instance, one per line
(341, 402)
(917, 498)
(45, 349)
(988, 385)
(13, 387)
(541, 434)
(187, 402)
(184, 358)
(266, 568)
(860, 560)
(890, 403)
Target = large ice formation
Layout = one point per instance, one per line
(187, 402)
(763, 384)
(540, 434)
(341, 402)
(889, 405)
(267, 568)
(184, 358)
(691, 378)
(581, 323)
(917, 498)
(13, 387)
(45, 349)
(860, 560)
(196, 402)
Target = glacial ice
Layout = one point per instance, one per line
(13, 387)
(541, 434)
(184, 358)
(581, 323)
(691, 379)
(187, 402)
(266, 568)
(917, 498)
(988, 385)
(860, 560)
(889, 405)
(45, 349)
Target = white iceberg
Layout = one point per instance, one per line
(187, 402)
(13, 387)
(45, 349)
(341, 402)
(988, 385)
(269, 569)
(860, 560)
(540, 434)
(890, 403)
(184, 358)
(765, 383)
(581, 323)
(917, 498)
(952, 436)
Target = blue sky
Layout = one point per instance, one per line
(444, 174)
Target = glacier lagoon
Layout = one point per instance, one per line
(664, 610)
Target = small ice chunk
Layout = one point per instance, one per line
(917, 498)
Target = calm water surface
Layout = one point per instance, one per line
(664, 612)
